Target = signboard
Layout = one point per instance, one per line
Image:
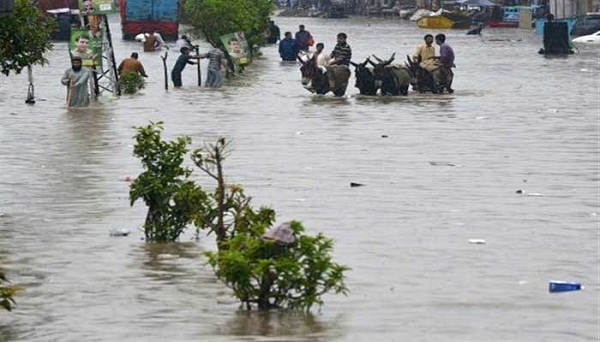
(87, 45)
(95, 7)
(237, 47)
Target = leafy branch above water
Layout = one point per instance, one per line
(265, 267)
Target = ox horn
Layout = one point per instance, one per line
(378, 59)
(391, 59)
(369, 61)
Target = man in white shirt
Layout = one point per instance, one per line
(184, 41)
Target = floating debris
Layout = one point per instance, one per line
(532, 194)
(442, 164)
(384, 135)
(120, 232)
(535, 194)
(354, 185)
(563, 286)
(477, 241)
(281, 234)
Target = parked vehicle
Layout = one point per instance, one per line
(444, 20)
(588, 24)
(140, 16)
(593, 38)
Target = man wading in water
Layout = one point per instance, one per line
(180, 64)
(76, 79)
(216, 60)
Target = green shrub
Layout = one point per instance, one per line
(230, 212)
(173, 199)
(263, 274)
(7, 293)
(267, 274)
(131, 82)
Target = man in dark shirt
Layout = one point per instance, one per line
(288, 47)
(303, 38)
(274, 33)
(342, 53)
(180, 64)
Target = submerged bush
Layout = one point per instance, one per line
(131, 82)
(282, 268)
(7, 293)
(269, 274)
(230, 210)
(173, 199)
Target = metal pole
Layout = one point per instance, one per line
(164, 59)
(30, 90)
(199, 71)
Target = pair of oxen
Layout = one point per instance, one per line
(373, 78)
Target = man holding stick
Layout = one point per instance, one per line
(76, 79)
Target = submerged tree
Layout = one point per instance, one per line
(269, 274)
(230, 211)
(7, 293)
(264, 273)
(214, 18)
(131, 82)
(24, 37)
(173, 199)
(283, 267)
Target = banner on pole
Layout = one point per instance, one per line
(87, 45)
(237, 47)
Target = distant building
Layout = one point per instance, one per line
(572, 8)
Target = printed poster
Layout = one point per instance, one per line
(87, 7)
(87, 45)
(237, 47)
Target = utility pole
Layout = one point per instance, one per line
(107, 79)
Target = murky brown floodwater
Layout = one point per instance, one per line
(447, 172)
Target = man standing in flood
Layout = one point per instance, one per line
(288, 48)
(303, 38)
(216, 61)
(132, 64)
(180, 64)
(76, 79)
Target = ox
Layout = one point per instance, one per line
(333, 78)
(365, 81)
(391, 79)
(424, 81)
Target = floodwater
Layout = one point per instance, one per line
(437, 170)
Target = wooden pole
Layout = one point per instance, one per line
(70, 90)
(199, 71)
(164, 59)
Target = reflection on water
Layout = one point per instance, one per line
(162, 261)
(285, 326)
(438, 171)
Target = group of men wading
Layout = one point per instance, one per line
(76, 78)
